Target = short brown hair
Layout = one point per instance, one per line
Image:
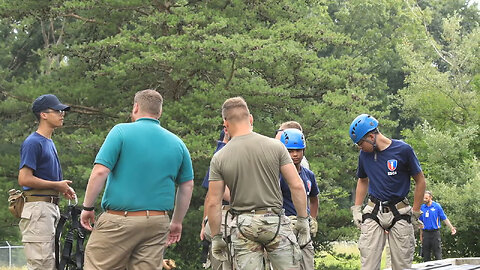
(149, 101)
(291, 124)
(235, 109)
(429, 193)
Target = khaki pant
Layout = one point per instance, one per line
(308, 253)
(388, 257)
(251, 237)
(37, 226)
(132, 242)
(216, 264)
(400, 238)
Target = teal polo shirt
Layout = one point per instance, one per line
(145, 162)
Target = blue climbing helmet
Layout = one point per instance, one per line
(293, 139)
(361, 125)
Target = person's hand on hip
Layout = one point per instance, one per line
(219, 248)
(303, 228)
(416, 222)
(357, 215)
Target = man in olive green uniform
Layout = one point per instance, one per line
(250, 165)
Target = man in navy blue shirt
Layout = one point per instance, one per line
(295, 143)
(385, 167)
(41, 176)
(430, 234)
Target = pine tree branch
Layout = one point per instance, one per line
(73, 15)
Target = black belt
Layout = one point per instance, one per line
(433, 230)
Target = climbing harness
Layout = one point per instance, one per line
(235, 215)
(385, 207)
(75, 237)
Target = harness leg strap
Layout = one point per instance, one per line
(67, 251)
(276, 233)
(397, 216)
(58, 234)
(228, 240)
(372, 215)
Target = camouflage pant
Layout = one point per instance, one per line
(252, 234)
(216, 264)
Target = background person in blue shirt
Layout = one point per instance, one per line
(430, 234)
(385, 167)
(139, 163)
(295, 143)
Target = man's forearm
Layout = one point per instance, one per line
(447, 221)
(299, 199)
(361, 191)
(182, 201)
(419, 191)
(214, 214)
(97, 180)
(214, 204)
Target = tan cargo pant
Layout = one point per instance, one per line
(131, 242)
(216, 264)
(251, 236)
(308, 253)
(400, 238)
(37, 226)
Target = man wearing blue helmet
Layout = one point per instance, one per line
(385, 167)
(291, 124)
(295, 143)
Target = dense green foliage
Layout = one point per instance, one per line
(414, 66)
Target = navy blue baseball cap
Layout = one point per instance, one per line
(49, 101)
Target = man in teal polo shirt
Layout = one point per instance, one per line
(141, 162)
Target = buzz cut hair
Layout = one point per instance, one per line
(291, 124)
(235, 109)
(149, 101)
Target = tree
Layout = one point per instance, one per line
(441, 96)
(321, 62)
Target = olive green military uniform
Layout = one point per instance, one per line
(250, 166)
